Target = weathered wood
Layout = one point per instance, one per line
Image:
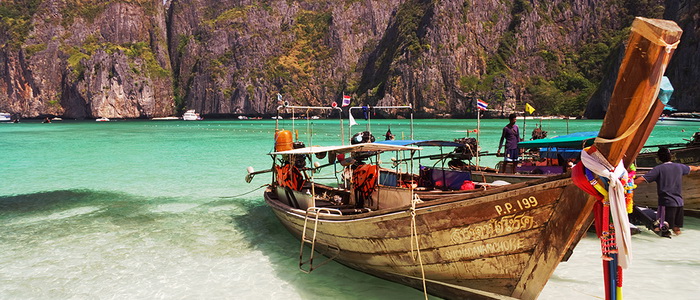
(501, 235)
(640, 138)
(637, 84)
(646, 195)
(687, 155)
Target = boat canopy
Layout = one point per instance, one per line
(346, 148)
(421, 143)
(577, 140)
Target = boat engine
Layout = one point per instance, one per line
(468, 151)
(362, 137)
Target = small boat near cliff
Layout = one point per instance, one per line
(191, 115)
(102, 119)
(494, 242)
(165, 118)
(5, 117)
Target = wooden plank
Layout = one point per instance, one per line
(640, 138)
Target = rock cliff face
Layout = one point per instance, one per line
(682, 71)
(86, 59)
(89, 58)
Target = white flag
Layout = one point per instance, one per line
(352, 120)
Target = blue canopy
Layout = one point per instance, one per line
(575, 140)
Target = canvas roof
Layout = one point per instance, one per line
(347, 148)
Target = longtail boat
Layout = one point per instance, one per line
(494, 243)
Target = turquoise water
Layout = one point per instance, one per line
(160, 209)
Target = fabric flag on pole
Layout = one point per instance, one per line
(481, 104)
(352, 120)
(346, 100)
(529, 109)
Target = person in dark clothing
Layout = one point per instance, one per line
(668, 176)
(389, 136)
(511, 136)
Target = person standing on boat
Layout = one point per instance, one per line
(668, 176)
(511, 135)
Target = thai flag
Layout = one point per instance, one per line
(480, 104)
(346, 100)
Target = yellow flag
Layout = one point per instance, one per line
(529, 108)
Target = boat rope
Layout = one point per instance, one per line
(414, 237)
(653, 37)
(246, 193)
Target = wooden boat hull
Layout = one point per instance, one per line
(510, 178)
(688, 156)
(505, 241)
(645, 194)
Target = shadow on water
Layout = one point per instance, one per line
(265, 233)
(44, 201)
(68, 204)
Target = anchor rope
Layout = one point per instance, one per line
(246, 193)
(414, 237)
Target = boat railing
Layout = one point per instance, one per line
(317, 211)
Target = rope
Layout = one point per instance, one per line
(246, 193)
(414, 236)
(648, 33)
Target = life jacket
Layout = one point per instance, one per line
(289, 176)
(364, 179)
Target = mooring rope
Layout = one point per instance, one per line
(414, 236)
(246, 193)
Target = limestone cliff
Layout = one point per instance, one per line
(85, 59)
(682, 71)
(235, 56)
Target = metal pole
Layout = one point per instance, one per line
(478, 132)
(342, 130)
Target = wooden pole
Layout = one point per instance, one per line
(649, 50)
(643, 133)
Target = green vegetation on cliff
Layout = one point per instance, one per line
(16, 21)
(140, 54)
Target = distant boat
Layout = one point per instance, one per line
(191, 115)
(679, 117)
(277, 118)
(5, 117)
(315, 117)
(103, 119)
(165, 118)
(243, 118)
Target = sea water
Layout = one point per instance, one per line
(161, 210)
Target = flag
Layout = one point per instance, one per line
(529, 109)
(352, 120)
(346, 100)
(480, 104)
